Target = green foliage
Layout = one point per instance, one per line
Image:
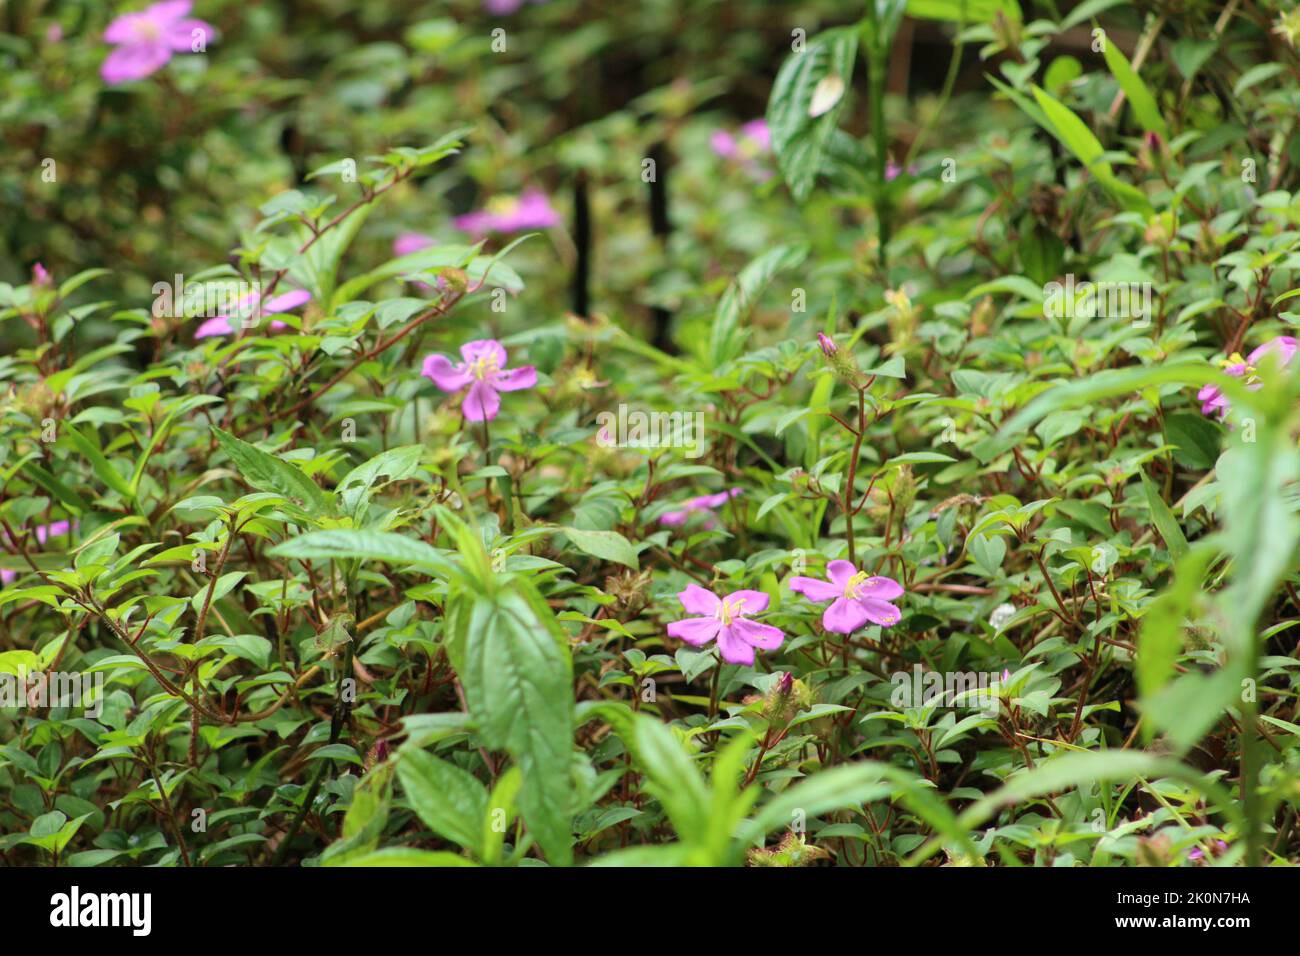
(992, 334)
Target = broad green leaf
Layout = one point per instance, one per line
(607, 545)
(387, 546)
(450, 801)
(799, 139)
(266, 472)
(513, 658)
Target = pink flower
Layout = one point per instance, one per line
(532, 210)
(829, 348)
(704, 503)
(484, 371)
(748, 147)
(1214, 401)
(147, 40)
(502, 7)
(226, 324)
(856, 597)
(43, 533)
(1220, 847)
(40, 277)
(754, 140)
(727, 620)
(409, 242)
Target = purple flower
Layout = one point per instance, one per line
(705, 503)
(748, 147)
(1220, 847)
(248, 307)
(147, 40)
(1214, 401)
(40, 277)
(484, 371)
(829, 348)
(727, 620)
(43, 533)
(532, 210)
(501, 8)
(409, 242)
(753, 140)
(856, 597)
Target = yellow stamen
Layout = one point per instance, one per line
(484, 367)
(855, 582)
(728, 610)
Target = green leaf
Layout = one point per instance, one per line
(727, 335)
(450, 801)
(100, 465)
(1164, 519)
(1139, 97)
(1195, 439)
(395, 549)
(405, 856)
(798, 139)
(607, 545)
(266, 472)
(357, 486)
(964, 11)
(1160, 639)
(513, 658)
(1075, 136)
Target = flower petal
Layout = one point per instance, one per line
(1284, 345)
(698, 600)
(221, 325)
(489, 350)
(674, 519)
(409, 242)
(441, 372)
(839, 572)
(815, 590)
(755, 602)
(481, 403)
(733, 647)
(134, 61)
(880, 589)
(713, 501)
(287, 301)
(513, 379)
(844, 616)
(763, 636)
(879, 612)
(695, 630)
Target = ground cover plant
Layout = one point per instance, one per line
(707, 433)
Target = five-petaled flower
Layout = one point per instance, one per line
(484, 371)
(704, 503)
(1213, 400)
(726, 620)
(856, 597)
(147, 40)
